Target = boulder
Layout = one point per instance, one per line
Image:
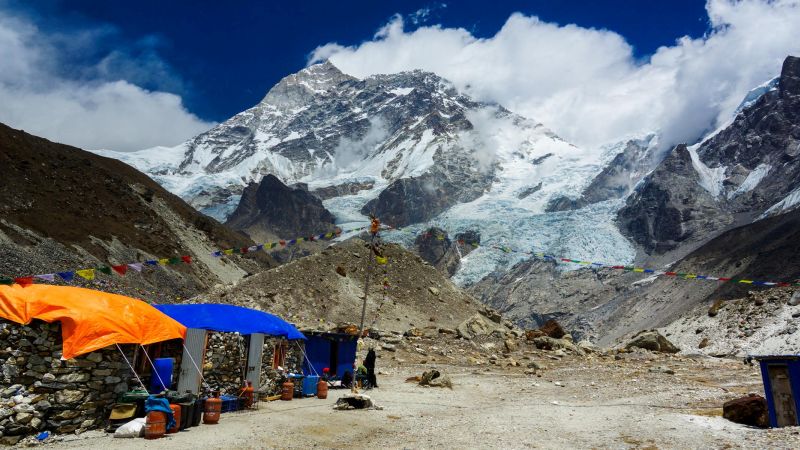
(553, 329)
(749, 410)
(652, 340)
(548, 343)
(795, 300)
(510, 345)
(477, 325)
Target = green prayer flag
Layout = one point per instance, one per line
(105, 269)
(8, 281)
(174, 260)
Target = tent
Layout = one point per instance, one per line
(203, 317)
(90, 320)
(332, 350)
(230, 318)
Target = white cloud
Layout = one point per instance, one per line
(91, 107)
(585, 84)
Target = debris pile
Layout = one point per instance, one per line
(355, 401)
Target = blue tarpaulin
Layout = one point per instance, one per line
(337, 352)
(230, 318)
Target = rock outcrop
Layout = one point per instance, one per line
(653, 341)
(272, 208)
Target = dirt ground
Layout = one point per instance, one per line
(598, 402)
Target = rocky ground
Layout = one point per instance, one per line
(600, 400)
(326, 289)
(763, 323)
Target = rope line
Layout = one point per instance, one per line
(130, 366)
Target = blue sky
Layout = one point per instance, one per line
(131, 75)
(224, 56)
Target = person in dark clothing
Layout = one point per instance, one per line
(347, 379)
(369, 363)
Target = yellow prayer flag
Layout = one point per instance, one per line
(228, 251)
(381, 260)
(163, 261)
(638, 270)
(86, 273)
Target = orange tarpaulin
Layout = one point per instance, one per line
(90, 320)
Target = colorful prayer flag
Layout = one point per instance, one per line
(228, 251)
(24, 281)
(381, 259)
(136, 266)
(174, 260)
(67, 276)
(7, 281)
(47, 277)
(87, 274)
(187, 259)
(105, 269)
(120, 269)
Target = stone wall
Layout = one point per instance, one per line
(39, 391)
(271, 379)
(225, 360)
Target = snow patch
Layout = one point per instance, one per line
(710, 179)
(789, 202)
(401, 91)
(752, 180)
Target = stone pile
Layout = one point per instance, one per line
(224, 363)
(41, 392)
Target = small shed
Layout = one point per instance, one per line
(781, 376)
(201, 318)
(337, 351)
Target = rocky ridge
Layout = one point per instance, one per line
(53, 217)
(745, 171)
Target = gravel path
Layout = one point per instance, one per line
(602, 404)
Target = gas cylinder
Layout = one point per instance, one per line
(176, 413)
(287, 390)
(156, 425)
(322, 389)
(247, 393)
(213, 408)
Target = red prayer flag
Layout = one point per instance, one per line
(120, 269)
(672, 274)
(283, 243)
(187, 259)
(244, 250)
(24, 281)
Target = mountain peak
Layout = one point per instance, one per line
(790, 77)
(295, 90)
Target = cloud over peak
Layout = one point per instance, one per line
(48, 89)
(585, 83)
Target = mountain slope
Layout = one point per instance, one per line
(743, 172)
(408, 147)
(723, 207)
(327, 289)
(62, 208)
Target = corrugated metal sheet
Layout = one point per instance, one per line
(194, 345)
(254, 354)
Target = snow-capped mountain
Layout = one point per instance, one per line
(742, 172)
(410, 148)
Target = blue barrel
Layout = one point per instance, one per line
(163, 367)
(310, 385)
